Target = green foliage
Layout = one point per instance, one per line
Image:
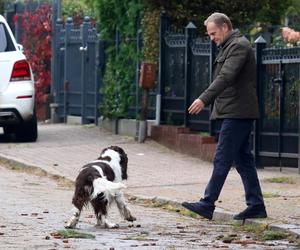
(274, 235)
(69, 233)
(293, 14)
(79, 7)
(268, 195)
(77, 10)
(262, 232)
(282, 179)
(2, 7)
(242, 13)
(118, 16)
(117, 89)
(150, 26)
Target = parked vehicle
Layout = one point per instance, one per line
(17, 91)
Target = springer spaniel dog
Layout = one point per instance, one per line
(99, 183)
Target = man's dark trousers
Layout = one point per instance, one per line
(234, 146)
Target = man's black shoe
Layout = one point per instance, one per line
(203, 210)
(252, 212)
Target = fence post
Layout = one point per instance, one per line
(137, 77)
(98, 46)
(298, 130)
(260, 45)
(53, 50)
(164, 22)
(84, 28)
(57, 26)
(55, 70)
(68, 27)
(100, 72)
(190, 31)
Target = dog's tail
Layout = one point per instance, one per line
(103, 185)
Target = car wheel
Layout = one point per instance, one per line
(27, 131)
(8, 130)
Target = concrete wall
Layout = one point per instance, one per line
(127, 127)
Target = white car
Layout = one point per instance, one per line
(17, 91)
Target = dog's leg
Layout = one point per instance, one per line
(123, 208)
(103, 221)
(100, 208)
(99, 220)
(71, 223)
(109, 224)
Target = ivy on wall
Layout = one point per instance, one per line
(77, 10)
(150, 27)
(118, 17)
(1, 7)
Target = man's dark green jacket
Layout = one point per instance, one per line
(233, 88)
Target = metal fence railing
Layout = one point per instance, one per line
(186, 70)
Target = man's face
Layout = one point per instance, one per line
(216, 33)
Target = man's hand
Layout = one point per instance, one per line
(196, 107)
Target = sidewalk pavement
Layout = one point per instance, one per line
(155, 171)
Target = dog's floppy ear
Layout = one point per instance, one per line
(123, 163)
(123, 160)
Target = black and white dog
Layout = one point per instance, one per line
(99, 183)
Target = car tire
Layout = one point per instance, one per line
(9, 130)
(27, 131)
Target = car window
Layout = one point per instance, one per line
(6, 43)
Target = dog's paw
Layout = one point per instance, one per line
(130, 218)
(69, 225)
(115, 226)
(111, 225)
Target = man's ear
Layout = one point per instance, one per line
(225, 27)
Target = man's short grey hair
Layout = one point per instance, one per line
(219, 19)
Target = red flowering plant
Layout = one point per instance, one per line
(36, 40)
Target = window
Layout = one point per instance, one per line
(6, 43)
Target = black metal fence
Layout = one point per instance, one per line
(78, 57)
(185, 73)
(279, 77)
(186, 70)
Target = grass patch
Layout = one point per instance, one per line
(262, 232)
(180, 210)
(143, 236)
(283, 179)
(274, 235)
(165, 205)
(257, 229)
(270, 195)
(173, 208)
(69, 233)
(230, 238)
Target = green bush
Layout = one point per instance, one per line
(119, 16)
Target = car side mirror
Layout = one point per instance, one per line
(20, 47)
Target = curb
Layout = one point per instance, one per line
(219, 214)
(222, 215)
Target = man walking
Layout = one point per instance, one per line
(233, 91)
